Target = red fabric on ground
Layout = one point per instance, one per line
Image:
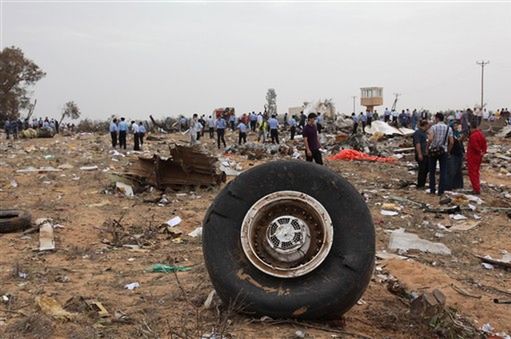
(350, 154)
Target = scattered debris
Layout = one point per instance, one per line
(46, 237)
(488, 261)
(187, 166)
(52, 308)
(174, 221)
(38, 170)
(196, 232)
(428, 304)
(349, 154)
(127, 190)
(402, 241)
(389, 213)
(132, 286)
(89, 168)
(161, 268)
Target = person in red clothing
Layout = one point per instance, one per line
(475, 151)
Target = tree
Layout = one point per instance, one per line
(70, 110)
(17, 74)
(271, 102)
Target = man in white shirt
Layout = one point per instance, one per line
(134, 130)
(194, 129)
(211, 127)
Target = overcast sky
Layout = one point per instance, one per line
(136, 59)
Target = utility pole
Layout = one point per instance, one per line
(482, 63)
(354, 99)
(395, 100)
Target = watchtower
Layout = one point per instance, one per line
(371, 97)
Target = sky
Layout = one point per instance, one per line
(169, 58)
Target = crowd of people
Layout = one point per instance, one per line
(438, 141)
(119, 130)
(13, 127)
(443, 144)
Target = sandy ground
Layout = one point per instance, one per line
(87, 264)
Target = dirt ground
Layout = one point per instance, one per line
(87, 264)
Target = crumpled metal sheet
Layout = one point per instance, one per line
(187, 166)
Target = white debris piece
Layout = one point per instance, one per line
(196, 232)
(403, 241)
(124, 188)
(174, 221)
(132, 286)
(389, 213)
(487, 266)
(46, 238)
(89, 168)
(458, 217)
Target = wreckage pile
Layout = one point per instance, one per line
(186, 166)
(93, 264)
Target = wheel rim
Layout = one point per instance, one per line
(287, 234)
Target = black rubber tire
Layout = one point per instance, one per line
(14, 220)
(325, 293)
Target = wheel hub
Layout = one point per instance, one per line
(287, 234)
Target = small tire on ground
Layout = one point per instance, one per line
(14, 220)
(330, 289)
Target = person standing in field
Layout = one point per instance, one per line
(274, 129)
(123, 130)
(141, 133)
(211, 127)
(420, 141)
(113, 132)
(134, 130)
(243, 132)
(292, 127)
(311, 140)
(220, 124)
(476, 149)
(440, 142)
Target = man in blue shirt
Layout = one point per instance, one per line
(292, 125)
(243, 132)
(232, 121)
(123, 129)
(363, 119)
(253, 121)
(355, 123)
(274, 129)
(141, 133)
(113, 132)
(220, 130)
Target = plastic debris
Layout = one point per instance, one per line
(174, 221)
(389, 213)
(161, 268)
(350, 154)
(132, 286)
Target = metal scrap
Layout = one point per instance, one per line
(186, 166)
